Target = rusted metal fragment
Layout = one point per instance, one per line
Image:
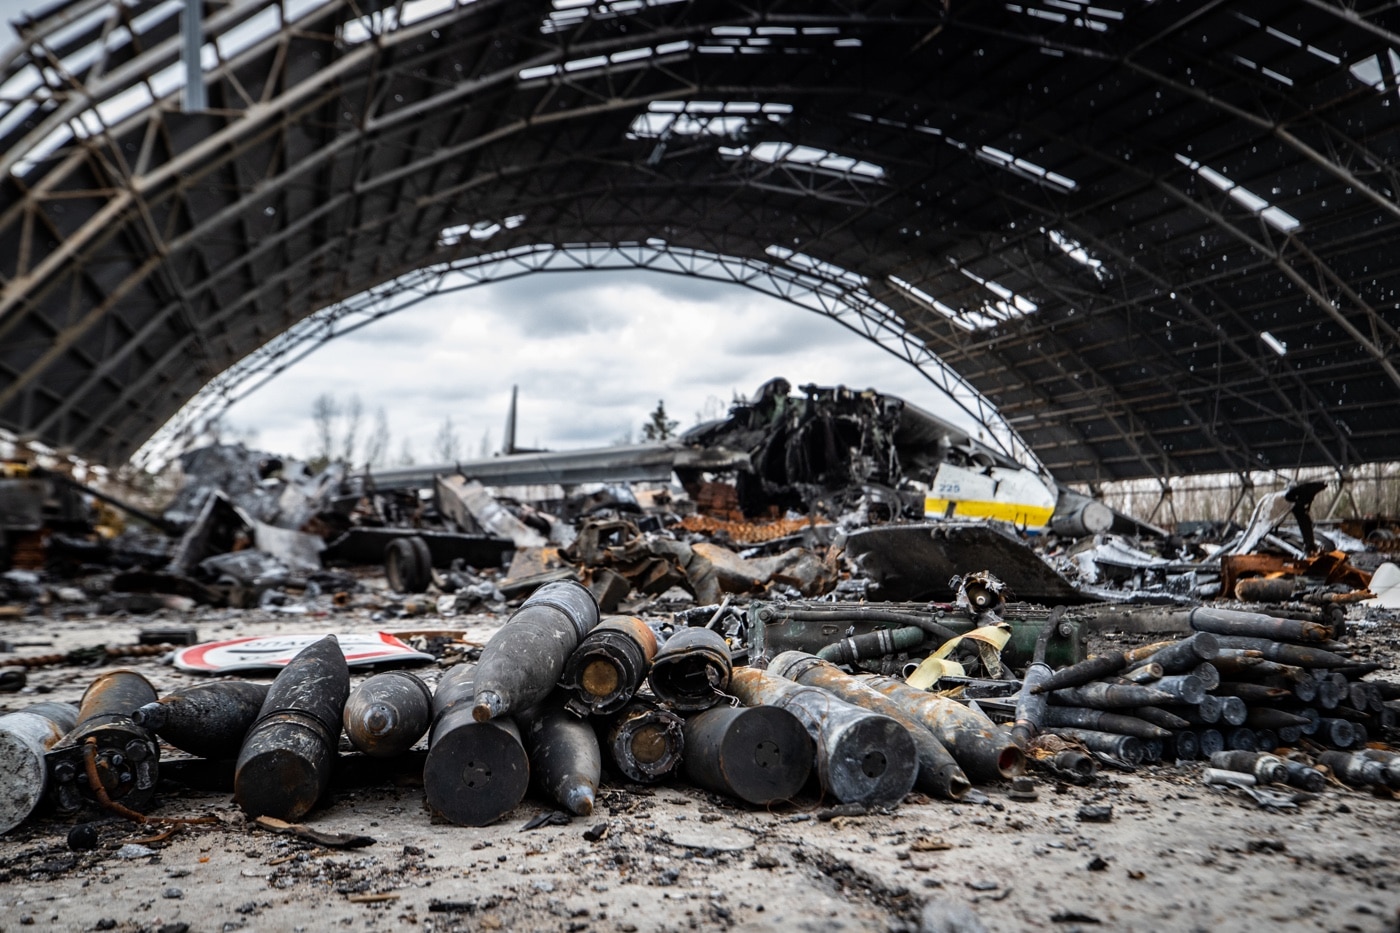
(127, 757)
(692, 670)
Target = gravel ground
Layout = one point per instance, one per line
(1175, 855)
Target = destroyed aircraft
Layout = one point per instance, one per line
(827, 451)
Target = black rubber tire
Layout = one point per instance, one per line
(404, 566)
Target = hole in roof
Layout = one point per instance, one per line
(665, 118)
(570, 13)
(387, 20)
(967, 320)
(1289, 39)
(1266, 72)
(1275, 217)
(1079, 15)
(480, 230)
(809, 158)
(1372, 73)
(1007, 306)
(1273, 343)
(251, 31)
(1076, 251)
(826, 270)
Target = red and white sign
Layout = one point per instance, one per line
(270, 652)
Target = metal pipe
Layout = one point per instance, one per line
(877, 644)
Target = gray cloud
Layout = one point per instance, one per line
(458, 354)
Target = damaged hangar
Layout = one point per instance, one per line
(1153, 238)
(1133, 239)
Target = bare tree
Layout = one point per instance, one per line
(484, 450)
(324, 412)
(713, 410)
(377, 443)
(447, 445)
(406, 453)
(352, 411)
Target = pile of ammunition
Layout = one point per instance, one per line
(557, 692)
(1244, 682)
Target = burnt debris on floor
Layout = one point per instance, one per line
(779, 626)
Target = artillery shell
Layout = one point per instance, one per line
(525, 658)
(1031, 703)
(939, 774)
(1267, 769)
(1123, 747)
(1261, 717)
(1112, 696)
(387, 713)
(983, 748)
(1242, 738)
(1304, 776)
(862, 757)
(646, 743)
(1297, 655)
(127, 756)
(692, 670)
(207, 720)
(285, 762)
(1233, 711)
(1229, 622)
(1355, 770)
(1082, 718)
(475, 772)
(1210, 741)
(565, 761)
(25, 736)
(609, 665)
(1180, 656)
(1186, 688)
(1158, 717)
(1184, 745)
(761, 755)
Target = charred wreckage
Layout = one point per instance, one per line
(832, 588)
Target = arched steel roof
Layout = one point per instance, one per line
(1159, 237)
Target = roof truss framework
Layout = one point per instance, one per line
(1157, 238)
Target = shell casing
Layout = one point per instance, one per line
(646, 743)
(127, 756)
(761, 755)
(939, 773)
(862, 757)
(25, 736)
(984, 749)
(692, 670)
(609, 665)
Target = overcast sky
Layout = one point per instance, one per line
(591, 352)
